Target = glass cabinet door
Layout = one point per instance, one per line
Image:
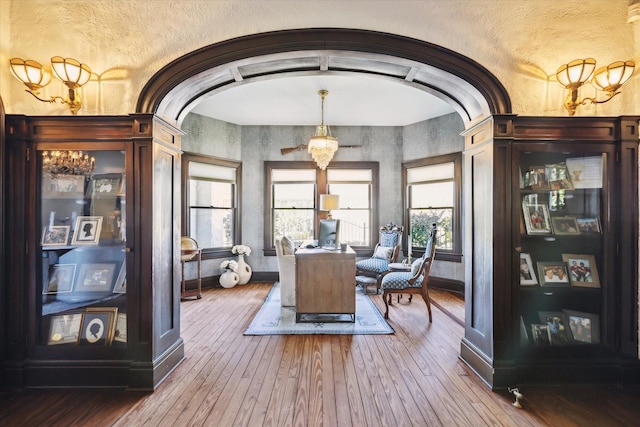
(82, 274)
(563, 209)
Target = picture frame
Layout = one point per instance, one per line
(98, 326)
(95, 277)
(527, 272)
(584, 327)
(63, 186)
(586, 172)
(565, 226)
(61, 278)
(536, 218)
(553, 274)
(87, 230)
(104, 185)
(64, 328)
(557, 327)
(558, 177)
(535, 178)
(120, 333)
(539, 334)
(557, 200)
(589, 225)
(583, 271)
(121, 281)
(58, 235)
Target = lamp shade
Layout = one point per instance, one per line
(329, 202)
(71, 72)
(31, 73)
(611, 77)
(575, 73)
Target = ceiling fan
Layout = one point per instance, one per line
(288, 150)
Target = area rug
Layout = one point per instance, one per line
(272, 319)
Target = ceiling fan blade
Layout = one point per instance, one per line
(284, 151)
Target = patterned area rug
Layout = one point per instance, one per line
(272, 319)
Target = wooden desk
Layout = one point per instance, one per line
(325, 285)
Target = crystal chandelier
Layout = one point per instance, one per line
(67, 163)
(322, 145)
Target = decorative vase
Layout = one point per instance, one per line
(244, 270)
(229, 279)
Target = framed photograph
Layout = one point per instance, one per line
(539, 334)
(104, 185)
(63, 186)
(565, 225)
(553, 274)
(586, 172)
(121, 281)
(584, 327)
(557, 200)
(64, 329)
(589, 225)
(557, 327)
(583, 271)
(60, 279)
(98, 325)
(527, 273)
(58, 235)
(120, 334)
(95, 277)
(535, 178)
(558, 176)
(87, 231)
(536, 218)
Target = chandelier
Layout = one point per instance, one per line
(67, 163)
(322, 145)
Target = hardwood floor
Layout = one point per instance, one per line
(410, 378)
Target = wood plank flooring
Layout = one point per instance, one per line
(410, 378)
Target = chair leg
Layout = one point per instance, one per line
(427, 300)
(386, 304)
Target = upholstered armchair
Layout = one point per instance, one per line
(285, 249)
(386, 251)
(411, 282)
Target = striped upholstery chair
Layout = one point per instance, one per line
(386, 251)
(411, 282)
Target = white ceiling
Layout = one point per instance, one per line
(353, 100)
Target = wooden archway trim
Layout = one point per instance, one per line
(218, 54)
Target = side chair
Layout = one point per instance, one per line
(411, 282)
(385, 252)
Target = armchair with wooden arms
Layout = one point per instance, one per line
(411, 282)
(385, 252)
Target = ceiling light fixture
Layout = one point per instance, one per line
(35, 76)
(322, 145)
(608, 79)
(67, 163)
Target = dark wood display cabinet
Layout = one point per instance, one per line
(93, 230)
(552, 289)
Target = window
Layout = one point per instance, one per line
(210, 203)
(292, 195)
(433, 196)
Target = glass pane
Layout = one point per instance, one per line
(421, 222)
(354, 226)
(210, 193)
(296, 224)
(205, 170)
(212, 228)
(299, 196)
(293, 175)
(349, 175)
(352, 196)
(431, 173)
(431, 195)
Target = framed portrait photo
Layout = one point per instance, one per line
(589, 225)
(584, 327)
(527, 273)
(60, 279)
(583, 271)
(539, 334)
(104, 185)
(95, 277)
(536, 218)
(121, 281)
(120, 333)
(553, 274)
(98, 325)
(565, 225)
(557, 327)
(58, 235)
(87, 231)
(64, 329)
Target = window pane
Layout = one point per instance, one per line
(299, 196)
(352, 196)
(296, 224)
(210, 193)
(355, 225)
(431, 173)
(212, 228)
(421, 222)
(431, 195)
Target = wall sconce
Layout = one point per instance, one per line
(329, 202)
(608, 79)
(35, 76)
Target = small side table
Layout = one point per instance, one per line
(398, 266)
(188, 256)
(365, 281)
